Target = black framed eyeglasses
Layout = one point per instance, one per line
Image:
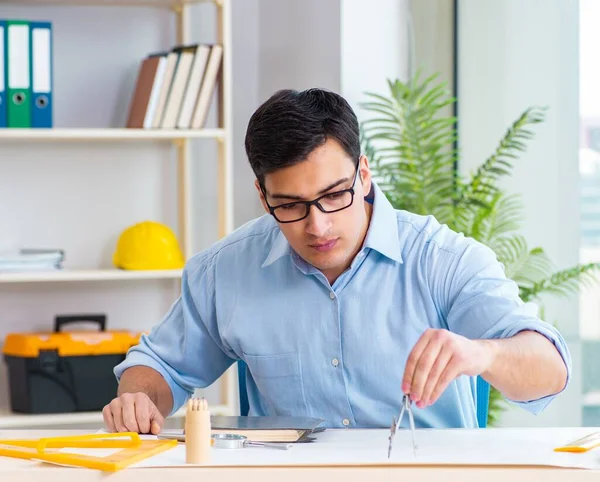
(328, 203)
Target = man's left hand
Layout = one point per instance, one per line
(438, 358)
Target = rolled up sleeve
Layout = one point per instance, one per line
(482, 303)
(185, 347)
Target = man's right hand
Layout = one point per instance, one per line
(132, 412)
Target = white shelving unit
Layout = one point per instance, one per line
(117, 134)
(88, 275)
(180, 139)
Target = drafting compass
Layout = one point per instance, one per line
(406, 407)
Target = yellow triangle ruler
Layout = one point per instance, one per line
(134, 450)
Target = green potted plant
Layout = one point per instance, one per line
(410, 144)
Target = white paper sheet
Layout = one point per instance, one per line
(491, 446)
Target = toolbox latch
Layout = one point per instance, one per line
(48, 360)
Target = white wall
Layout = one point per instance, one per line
(246, 74)
(374, 47)
(348, 46)
(433, 29)
(433, 43)
(514, 54)
(299, 45)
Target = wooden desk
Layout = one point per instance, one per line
(302, 474)
(16, 470)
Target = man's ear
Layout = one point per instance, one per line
(365, 174)
(261, 196)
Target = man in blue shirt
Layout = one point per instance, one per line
(337, 302)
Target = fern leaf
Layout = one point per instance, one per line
(562, 283)
(497, 404)
(413, 143)
(498, 164)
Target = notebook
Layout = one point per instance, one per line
(260, 429)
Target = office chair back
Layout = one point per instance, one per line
(483, 401)
(482, 396)
(244, 404)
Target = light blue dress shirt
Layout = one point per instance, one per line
(336, 352)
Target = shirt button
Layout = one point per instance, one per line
(332, 295)
(346, 422)
(335, 362)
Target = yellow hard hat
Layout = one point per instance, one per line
(148, 245)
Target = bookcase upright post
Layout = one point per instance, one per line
(229, 383)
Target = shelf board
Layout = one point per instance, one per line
(111, 3)
(10, 420)
(87, 275)
(109, 134)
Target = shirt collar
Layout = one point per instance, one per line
(382, 235)
(279, 249)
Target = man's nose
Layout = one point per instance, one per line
(318, 222)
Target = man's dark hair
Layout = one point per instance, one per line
(287, 127)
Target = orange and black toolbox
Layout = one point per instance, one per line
(65, 371)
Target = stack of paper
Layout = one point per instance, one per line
(31, 260)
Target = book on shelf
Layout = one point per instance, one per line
(194, 84)
(208, 87)
(178, 86)
(174, 89)
(164, 86)
(143, 105)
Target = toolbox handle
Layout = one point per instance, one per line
(61, 320)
